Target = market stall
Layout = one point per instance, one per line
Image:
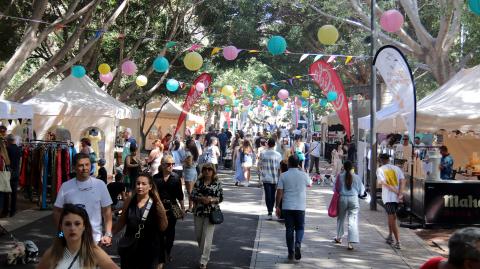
(17, 118)
(454, 106)
(81, 108)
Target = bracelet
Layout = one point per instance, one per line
(108, 234)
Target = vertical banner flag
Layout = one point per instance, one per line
(192, 97)
(227, 117)
(395, 71)
(328, 80)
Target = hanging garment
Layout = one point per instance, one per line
(58, 168)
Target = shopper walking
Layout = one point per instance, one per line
(337, 157)
(213, 150)
(269, 165)
(190, 170)
(155, 157)
(132, 167)
(144, 210)
(10, 199)
(169, 188)
(292, 194)
(393, 183)
(247, 158)
(350, 186)
(207, 195)
(315, 155)
(74, 246)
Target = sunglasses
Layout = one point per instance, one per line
(169, 164)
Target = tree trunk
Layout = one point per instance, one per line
(440, 66)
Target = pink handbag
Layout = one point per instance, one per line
(333, 207)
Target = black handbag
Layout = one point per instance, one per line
(216, 216)
(128, 245)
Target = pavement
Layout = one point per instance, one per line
(248, 240)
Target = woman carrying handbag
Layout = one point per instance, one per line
(350, 187)
(207, 195)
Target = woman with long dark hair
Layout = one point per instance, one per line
(144, 254)
(74, 247)
(350, 186)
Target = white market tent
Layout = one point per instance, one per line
(77, 104)
(454, 106)
(167, 119)
(11, 110)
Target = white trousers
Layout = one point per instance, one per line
(204, 234)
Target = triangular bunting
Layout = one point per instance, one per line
(348, 59)
(318, 57)
(331, 58)
(274, 84)
(194, 47)
(20, 121)
(298, 76)
(10, 122)
(304, 56)
(215, 50)
(253, 51)
(264, 86)
(290, 81)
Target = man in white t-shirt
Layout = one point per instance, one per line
(89, 193)
(393, 183)
(315, 155)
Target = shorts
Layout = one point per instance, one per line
(391, 208)
(178, 172)
(190, 174)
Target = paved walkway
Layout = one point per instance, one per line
(318, 251)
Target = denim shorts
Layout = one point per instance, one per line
(190, 174)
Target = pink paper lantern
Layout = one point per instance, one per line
(129, 68)
(200, 87)
(235, 109)
(299, 102)
(246, 102)
(107, 78)
(222, 102)
(391, 20)
(283, 94)
(230, 53)
(259, 103)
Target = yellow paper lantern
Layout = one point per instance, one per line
(193, 61)
(327, 34)
(227, 90)
(141, 80)
(104, 69)
(305, 94)
(281, 103)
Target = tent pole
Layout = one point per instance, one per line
(373, 109)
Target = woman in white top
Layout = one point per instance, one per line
(74, 247)
(337, 156)
(178, 156)
(155, 157)
(214, 151)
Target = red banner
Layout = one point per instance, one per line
(328, 80)
(192, 97)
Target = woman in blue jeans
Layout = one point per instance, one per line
(349, 187)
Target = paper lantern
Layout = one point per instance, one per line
(210, 100)
(265, 102)
(474, 6)
(104, 69)
(391, 20)
(78, 71)
(193, 61)
(222, 102)
(227, 90)
(278, 107)
(160, 64)
(107, 78)
(236, 102)
(200, 87)
(141, 80)
(280, 102)
(172, 85)
(277, 45)
(258, 91)
(331, 96)
(246, 102)
(304, 103)
(270, 104)
(327, 34)
(129, 68)
(235, 109)
(283, 94)
(230, 53)
(323, 102)
(305, 94)
(228, 109)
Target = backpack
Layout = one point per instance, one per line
(93, 157)
(206, 157)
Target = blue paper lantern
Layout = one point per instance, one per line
(331, 96)
(78, 71)
(277, 45)
(160, 64)
(323, 102)
(265, 102)
(258, 91)
(474, 6)
(304, 103)
(228, 109)
(278, 107)
(172, 85)
(270, 104)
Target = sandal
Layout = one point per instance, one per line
(350, 247)
(337, 241)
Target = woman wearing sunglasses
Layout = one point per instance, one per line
(74, 246)
(169, 188)
(207, 194)
(145, 218)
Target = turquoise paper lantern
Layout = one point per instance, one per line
(270, 104)
(277, 45)
(160, 64)
(210, 100)
(78, 71)
(258, 91)
(474, 6)
(323, 102)
(278, 107)
(228, 109)
(304, 103)
(331, 96)
(265, 102)
(172, 85)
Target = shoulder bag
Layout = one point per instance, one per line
(5, 180)
(216, 216)
(333, 207)
(127, 245)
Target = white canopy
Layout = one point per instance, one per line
(80, 97)
(454, 106)
(11, 110)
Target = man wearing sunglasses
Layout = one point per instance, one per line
(89, 193)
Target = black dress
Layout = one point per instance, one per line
(146, 255)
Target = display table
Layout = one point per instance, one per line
(445, 202)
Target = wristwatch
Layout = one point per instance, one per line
(108, 234)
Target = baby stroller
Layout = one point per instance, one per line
(227, 160)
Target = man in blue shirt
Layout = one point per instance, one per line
(223, 139)
(446, 164)
(292, 192)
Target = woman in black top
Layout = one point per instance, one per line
(145, 255)
(132, 167)
(169, 188)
